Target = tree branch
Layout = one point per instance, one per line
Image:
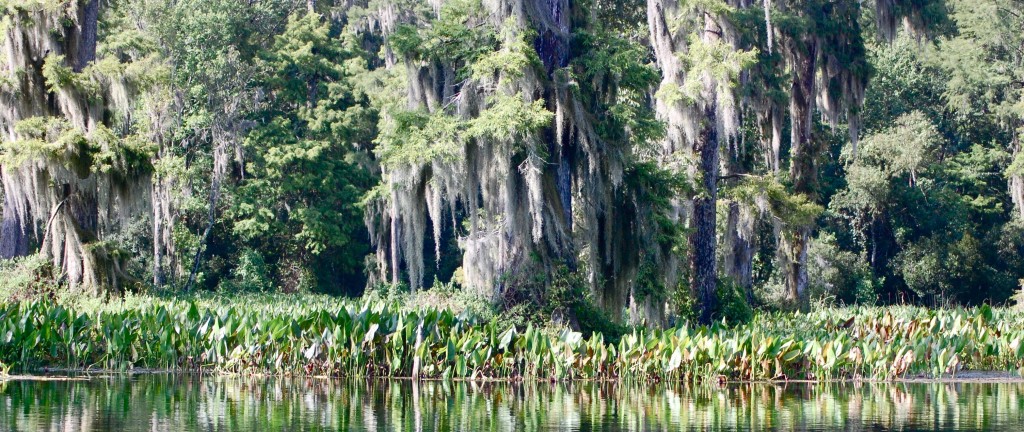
(49, 222)
(734, 176)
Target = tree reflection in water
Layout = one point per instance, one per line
(217, 403)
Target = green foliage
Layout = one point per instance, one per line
(840, 275)
(55, 140)
(983, 60)
(772, 196)
(731, 308)
(511, 61)
(458, 36)
(893, 156)
(657, 186)
(607, 73)
(648, 282)
(926, 188)
(561, 297)
(48, 139)
(250, 274)
(732, 303)
(509, 117)
(305, 176)
(568, 296)
(26, 277)
(416, 137)
(59, 76)
(716, 60)
(942, 271)
(974, 173)
(319, 336)
(903, 82)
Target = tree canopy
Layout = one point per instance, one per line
(639, 161)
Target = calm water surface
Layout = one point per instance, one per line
(176, 403)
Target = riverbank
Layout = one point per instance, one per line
(323, 336)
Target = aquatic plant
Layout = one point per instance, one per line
(310, 335)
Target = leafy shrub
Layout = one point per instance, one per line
(940, 271)
(26, 278)
(732, 305)
(250, 274)
(561, 298)
(838, 274)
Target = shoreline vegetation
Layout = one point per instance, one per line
(314, 336)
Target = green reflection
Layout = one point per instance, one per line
(218, 403)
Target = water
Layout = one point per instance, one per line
(180, 403)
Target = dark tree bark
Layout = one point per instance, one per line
(87, 42)
(553, 49)
(13, 236)
(795, 246)
(802, 168)
(702, 241)
(564, 186)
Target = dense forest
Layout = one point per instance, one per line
(637, 160)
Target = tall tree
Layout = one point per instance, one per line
(985, 61)
(306, 174)
(213, 46)
(75, 163)
(817, 39)
(697, 50)
(521, 119)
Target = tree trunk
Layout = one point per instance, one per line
(795, 247)
(553, 49)
(87, 42)
(158, 234)
(739, 257)
(703, 240)
(803, 170)
(703, 274)
(564, 185)
(211, 219)
(14, 233)
(1016, 181)
(802, 167)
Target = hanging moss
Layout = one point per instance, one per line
(770, 197)
(525, 144)
(69, 179)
